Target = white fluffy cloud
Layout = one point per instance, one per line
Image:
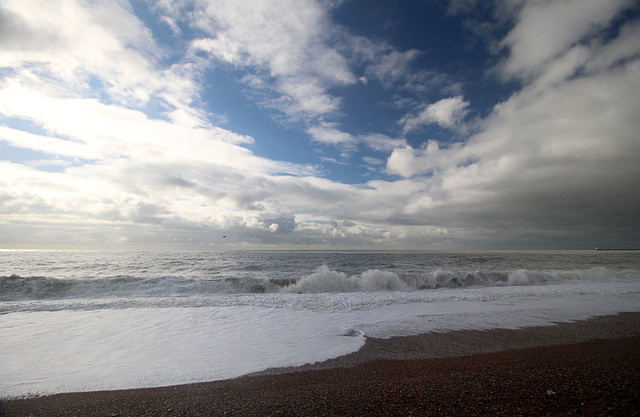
(408, 161)
(133, 158)
(547, 29)
(72, 40)
(120, 166)
(283, 42)
(448, 112)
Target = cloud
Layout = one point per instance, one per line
(327, 134)
(119, 166)
(381, 142)
(448, 113)
(138, 161)
(296, 56)
(408, 161)
(94, 130)
(619, 50)
(76, 48)
(171, 24)
(546, 29)
(285, 43)
(176, 178)
(221, 47)
(61, 40)
(558, 155)
(373, 161)
(392, 66)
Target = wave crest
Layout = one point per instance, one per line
(324, 280)
(327, 280)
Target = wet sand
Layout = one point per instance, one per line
(590, 368)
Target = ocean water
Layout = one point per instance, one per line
(85, 320)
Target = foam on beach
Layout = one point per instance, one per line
(86, 326)
(47, 352)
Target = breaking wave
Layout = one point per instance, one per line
(324, 280)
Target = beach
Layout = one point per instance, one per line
(589, 367)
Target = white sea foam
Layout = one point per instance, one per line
(48, 352)
(78, 350)
(79, 323)
(327, 280)
(324, 279)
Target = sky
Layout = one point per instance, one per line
(208, 124)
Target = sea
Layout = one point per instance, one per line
(104, 320)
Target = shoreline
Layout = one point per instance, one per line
(589, 367)
(451, 344)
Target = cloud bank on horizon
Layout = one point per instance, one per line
(437, 124)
